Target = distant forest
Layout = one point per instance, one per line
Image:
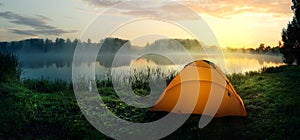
(112, 45)
(59, 45)
(37, 53)
(262, 49)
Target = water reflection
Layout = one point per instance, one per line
(241, 63)
(60, 68)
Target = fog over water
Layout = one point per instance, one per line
(37, 67)
(47, 59)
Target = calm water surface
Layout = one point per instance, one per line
(232, 63)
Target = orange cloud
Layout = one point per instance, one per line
(227, 8)
(218, 8)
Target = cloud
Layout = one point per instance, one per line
(38, 24)
(160, 8)
(33, 32)
(225, 8)
(218, 8)
(103, 3)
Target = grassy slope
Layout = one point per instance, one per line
(272, 99)
(28, 114)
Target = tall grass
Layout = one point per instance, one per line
(46, 85)
(137, 79)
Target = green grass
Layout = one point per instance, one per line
(48, 110)
(27, 114)
(272, 99)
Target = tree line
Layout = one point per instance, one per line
(262, 49)
(59, 45)
(112, 45)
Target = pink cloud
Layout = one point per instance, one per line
(218, 8)
(224, 8)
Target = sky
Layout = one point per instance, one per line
(235, 23)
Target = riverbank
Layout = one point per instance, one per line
(271, 98)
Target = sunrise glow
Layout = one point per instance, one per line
(242, 24)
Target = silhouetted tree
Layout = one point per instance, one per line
(261, 48)
(89, 41)
(291, 37)
(68, 42)
(59, 42)
(75, 41)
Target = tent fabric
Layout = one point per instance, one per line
(200, 79)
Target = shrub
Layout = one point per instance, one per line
(9, 67)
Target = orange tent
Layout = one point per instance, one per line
(204, 80)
